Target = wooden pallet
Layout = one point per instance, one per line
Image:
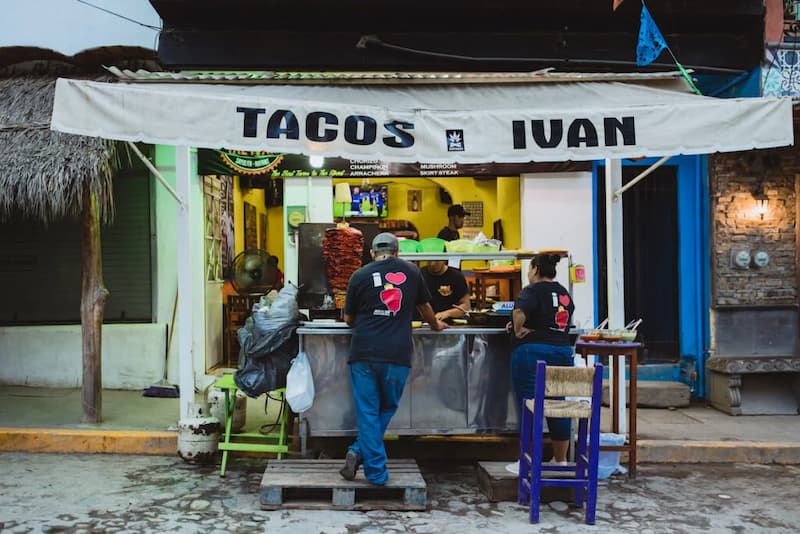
(317, 484)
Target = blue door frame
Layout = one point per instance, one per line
(693, 266)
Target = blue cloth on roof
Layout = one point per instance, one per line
(651, 42)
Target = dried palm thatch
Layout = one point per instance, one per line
(42, 172)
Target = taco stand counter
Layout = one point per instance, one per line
(459, 383)
(460, 379)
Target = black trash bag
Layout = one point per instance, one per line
(268, 343)
(256, 344)
(259, 374)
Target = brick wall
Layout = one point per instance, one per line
(735, 224)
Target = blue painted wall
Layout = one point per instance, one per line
(693, 267)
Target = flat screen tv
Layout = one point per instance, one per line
(367, 201)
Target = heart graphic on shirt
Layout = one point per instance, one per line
(561, 319)
(392, 297)
(396, 278)
(564, 300)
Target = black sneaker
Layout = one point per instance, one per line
(352, 461)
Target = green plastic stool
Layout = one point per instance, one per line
(276, 442)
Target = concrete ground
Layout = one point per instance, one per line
(48, 420)
(100, 493)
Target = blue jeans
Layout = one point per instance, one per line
(523, 376)
(377, 388)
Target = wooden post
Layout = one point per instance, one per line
(93, 302)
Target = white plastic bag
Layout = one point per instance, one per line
(300, 384)
(608, 462)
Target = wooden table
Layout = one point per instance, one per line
(481, 277)
(627, 350)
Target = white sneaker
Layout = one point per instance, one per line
(514, 467)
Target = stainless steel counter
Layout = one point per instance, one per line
(328, 328)
(459, 383)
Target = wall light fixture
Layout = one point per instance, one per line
(762, 204)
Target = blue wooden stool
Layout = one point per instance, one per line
(561, 382)
(276, 442)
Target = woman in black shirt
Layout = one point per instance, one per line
(540, 320)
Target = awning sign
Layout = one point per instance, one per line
(540, 122)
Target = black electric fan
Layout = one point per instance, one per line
(253, 272)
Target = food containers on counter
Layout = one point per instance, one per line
(460, 245)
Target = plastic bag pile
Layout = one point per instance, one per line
(268, 343)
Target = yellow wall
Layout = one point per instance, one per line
(500, 199)
(274, 220)
(508, 202)
(276, 233)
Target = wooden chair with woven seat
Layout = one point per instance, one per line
(582, 475)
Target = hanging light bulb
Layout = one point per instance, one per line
(762, 205)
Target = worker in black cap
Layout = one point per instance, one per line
(455, 216)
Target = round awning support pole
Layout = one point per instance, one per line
(156, 173)
(640, 177)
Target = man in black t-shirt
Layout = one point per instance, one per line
(381, 298)
(448, 288)
(455, 221)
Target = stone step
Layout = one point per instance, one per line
(656, 394)
(498, 484)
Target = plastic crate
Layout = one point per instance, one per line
(408, 245)
(460, 245)
(431, 244)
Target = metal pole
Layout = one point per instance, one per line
(156, 173)
(640, 177)
(783, 45)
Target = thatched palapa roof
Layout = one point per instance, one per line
(42, 172)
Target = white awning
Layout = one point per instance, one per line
(465, 123)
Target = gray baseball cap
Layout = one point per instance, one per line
(384, 242)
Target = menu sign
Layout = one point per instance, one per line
(272, 165)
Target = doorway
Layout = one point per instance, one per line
(651, 244)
